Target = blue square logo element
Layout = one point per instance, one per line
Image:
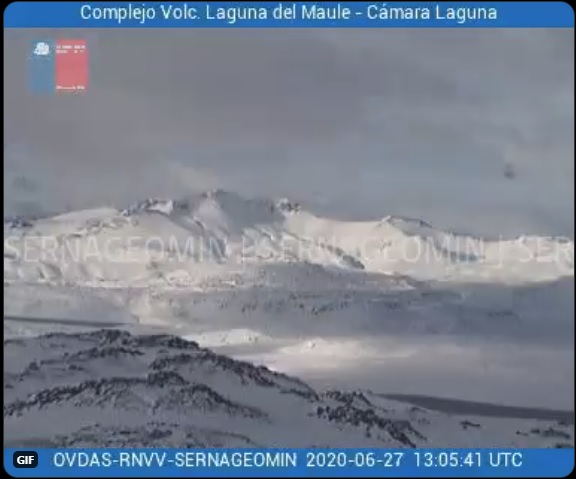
(42, 67)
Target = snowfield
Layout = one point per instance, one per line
(217, 234)
(98, 305)
(113, 389)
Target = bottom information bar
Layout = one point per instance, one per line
(289, 462)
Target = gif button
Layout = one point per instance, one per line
(27, 459)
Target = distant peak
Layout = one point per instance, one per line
(150, 205)
(18, 222)
(216, 193)
(288, 206)
(406, 221)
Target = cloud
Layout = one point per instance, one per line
(356, 122)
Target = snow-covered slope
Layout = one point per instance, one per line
(181, 242)
(110, 388)
(270, 282)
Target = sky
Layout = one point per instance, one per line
(354, 124)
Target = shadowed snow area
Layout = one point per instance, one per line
(110, 388)
(394, 305)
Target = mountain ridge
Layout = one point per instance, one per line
(122, 390)
(224, 228)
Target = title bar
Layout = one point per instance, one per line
(289, 15)
(289, 462)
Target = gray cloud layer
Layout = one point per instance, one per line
(357, 123)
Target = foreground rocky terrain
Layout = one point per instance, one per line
(111, 388)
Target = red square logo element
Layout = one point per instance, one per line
(71, 65)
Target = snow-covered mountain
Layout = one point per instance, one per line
(218, 254)
(270, 282)
(109, 388)
(184, 242)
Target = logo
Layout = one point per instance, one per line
(25, 459)
(58, 66)
(42, 49)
